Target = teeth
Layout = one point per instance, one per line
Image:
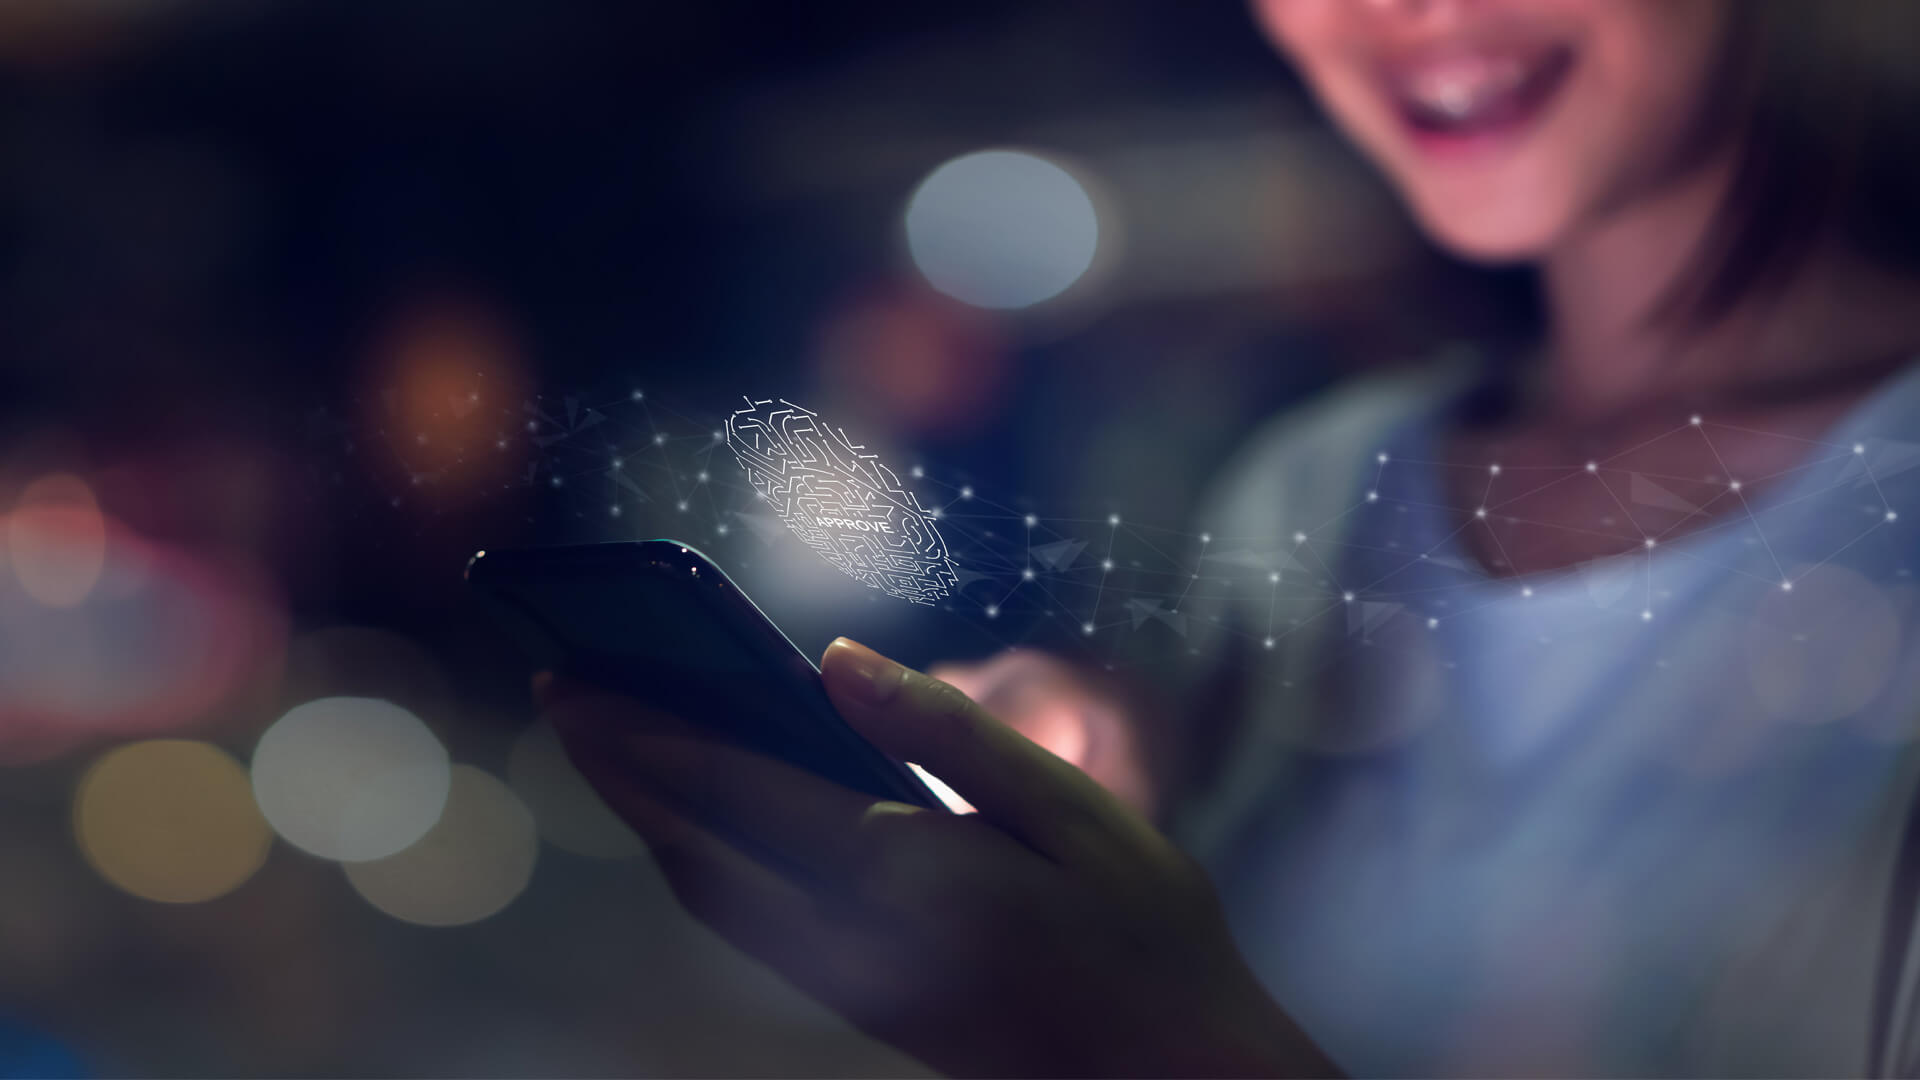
(1458, 87)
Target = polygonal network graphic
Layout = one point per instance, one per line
(841, 501)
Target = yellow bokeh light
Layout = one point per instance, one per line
(171, 820)
(472, 863)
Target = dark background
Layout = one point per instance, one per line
(251, 251)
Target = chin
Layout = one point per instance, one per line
(1493, 235)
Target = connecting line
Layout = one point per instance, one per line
(1302, 542)
(1884, 504)
(1498, 546)
(1106, 567)
(1728, 473)
(1198, 563)
(1273, 600)
(666, 459)
(1624, 512)
(1396, 571)
(706, 466)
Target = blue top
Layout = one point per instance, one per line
(1635, 817)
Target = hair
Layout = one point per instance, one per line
(1821, 97)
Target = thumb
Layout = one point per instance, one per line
(1012, 781)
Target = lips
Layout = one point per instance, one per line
(1452, 95)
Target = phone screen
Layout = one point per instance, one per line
(657, 621)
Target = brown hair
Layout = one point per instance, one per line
(1822, 96)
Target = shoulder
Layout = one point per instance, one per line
(1319, 450)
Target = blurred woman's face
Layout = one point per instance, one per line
(1507, 124)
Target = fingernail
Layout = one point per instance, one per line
(871, 679)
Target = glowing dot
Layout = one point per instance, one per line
(1269, 643)
(1593, 466)
(1347, 596)
(1646, 614)
(566, 809)
(966, 492)
(1373, 496)
(1113, 519)
(1481, 512)
(1001, 229)
(719, 435)
(659, 439)
(57, 540)
(614, 510)
(918, 472)
(1891, 516)
(1086, 628)
(1494, 469)
(993, 611)
(170, 820)
(1032, 521)
(617, 463)
(682, 504)
(722, 530)
(702, 476)
(1526, 590)
(1859, 448)
(350, 778)
(1650, 541)
(638, 396)
(1381, 458)
(1206, 538)
(474, 861)
(1027, 574)
(1106, 564)
(1274, 577)
(1786, 586)
(502, 444)
(936, 512)
(1694, 419)
(1735, 485)
(1432, 623)
(557, 481)
(533, 425)
(1299, 538)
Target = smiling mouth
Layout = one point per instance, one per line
(1449, 97)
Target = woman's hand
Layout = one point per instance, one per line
(1070, 712)
(1053, 933)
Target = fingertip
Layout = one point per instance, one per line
(857, 675)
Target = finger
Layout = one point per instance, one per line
(1047, 803)
(797, 822)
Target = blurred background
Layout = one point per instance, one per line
(302, 302)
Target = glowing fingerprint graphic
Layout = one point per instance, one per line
(841, 501)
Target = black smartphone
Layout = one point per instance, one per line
(658, 621)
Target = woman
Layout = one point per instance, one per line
(1588, 747)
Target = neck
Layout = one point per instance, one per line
(1608, 354)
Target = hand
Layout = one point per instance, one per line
(1052, 933)
(1065, 710)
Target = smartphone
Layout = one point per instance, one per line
(658, 621)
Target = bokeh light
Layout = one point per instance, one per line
(170, 820)
(350, 778)
(57, 540)
(472, 863)
(1824, 649)
(569, 814)
(1002, 229)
